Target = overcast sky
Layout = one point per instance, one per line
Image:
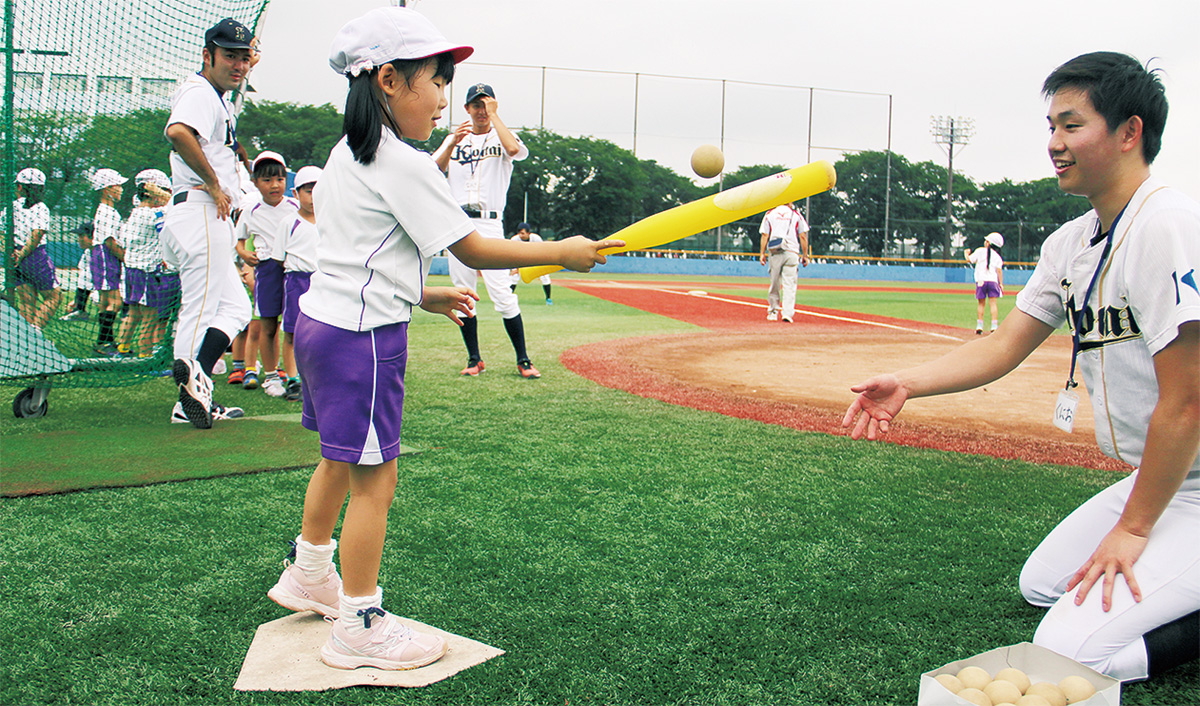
(964, 58)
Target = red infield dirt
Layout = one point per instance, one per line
(799, 375)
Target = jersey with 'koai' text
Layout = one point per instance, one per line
(480, 171)
(1147, 288)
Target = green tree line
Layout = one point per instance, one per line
(572, 185)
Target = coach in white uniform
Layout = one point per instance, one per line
(478, 160)
(198, 232)
(783, 247)
(1121, 574)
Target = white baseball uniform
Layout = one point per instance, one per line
(1145, 290)
(260, 225)
(296, 245)
(783, 225)
(195, 241)
(479, 173)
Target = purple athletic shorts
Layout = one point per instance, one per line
(37, 270)
(987, 290)
(106, 269)
(268, 288)
(163, 293)
(294, 284)
(135, 286)
(353, 389)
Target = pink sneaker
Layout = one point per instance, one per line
(295, 591)
(387, 644)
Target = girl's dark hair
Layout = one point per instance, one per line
(33, 194)
(363, 121)
(269, 168)
(989, 254)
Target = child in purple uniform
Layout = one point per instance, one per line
(106, 265)
(37, 285)
(296, 248)
(383, 210)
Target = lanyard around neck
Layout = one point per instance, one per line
(1081, 307)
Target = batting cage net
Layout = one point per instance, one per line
(88, 301)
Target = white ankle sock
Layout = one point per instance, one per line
(349, 608)
(978, 324)
(315, 560)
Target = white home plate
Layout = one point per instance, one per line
(285, 655)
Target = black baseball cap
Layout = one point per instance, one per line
(479, 89)
(229, 34)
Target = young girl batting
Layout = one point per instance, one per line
(989, 278)
(383, 210)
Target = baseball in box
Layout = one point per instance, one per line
(1038, 663)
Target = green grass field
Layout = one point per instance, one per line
(621, 550)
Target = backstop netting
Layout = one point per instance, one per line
(88, 87)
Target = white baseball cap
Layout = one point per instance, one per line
(268, 156)
(995, 239)
(152, 176)
(104, 178)
(307, 175)
(29, 175)
(386, 34)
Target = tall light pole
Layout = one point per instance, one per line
(950, 132)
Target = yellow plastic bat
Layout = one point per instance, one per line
(716, 210)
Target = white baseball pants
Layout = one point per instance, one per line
(1168, 573)
(498, 282)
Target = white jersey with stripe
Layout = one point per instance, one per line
(27, 220)
(260, 223)
(480, 171)
(140, 236)
(296, 245)
(380, 225)
(1147, 288)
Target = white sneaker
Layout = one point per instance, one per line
(219, 412)
(387, 644)
(772, 316)
(273, 386)
(220, 368)
(297, 592)
(195, 392)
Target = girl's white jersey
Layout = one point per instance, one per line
(27, 220)
(296, 245)
(986, 270)
(260, 223)
(105, 224)
(380, 224)
(485, 171)
(140, 236)
(1146, 289)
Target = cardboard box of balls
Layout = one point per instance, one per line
(1057, 680)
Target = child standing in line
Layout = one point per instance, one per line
(383, 210)
(141, 252)
(525, 234)
(989, 278)
(296, 247)
(34, 268)
(259, 225)
(106, 265)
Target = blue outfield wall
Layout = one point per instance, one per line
(625, 264)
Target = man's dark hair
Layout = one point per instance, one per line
(1119, 88)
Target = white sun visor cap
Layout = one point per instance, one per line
(104, 178)
(995, 239)
(32, 176)
(307, 175)
(386, 34)
(153, 176)
(268, 156)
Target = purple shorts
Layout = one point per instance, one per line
(353, 389)
(987, 290)
(135, 286)
(163, 293)
(294, 284)
(37, 270)
(268, 288)
(106, 269)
